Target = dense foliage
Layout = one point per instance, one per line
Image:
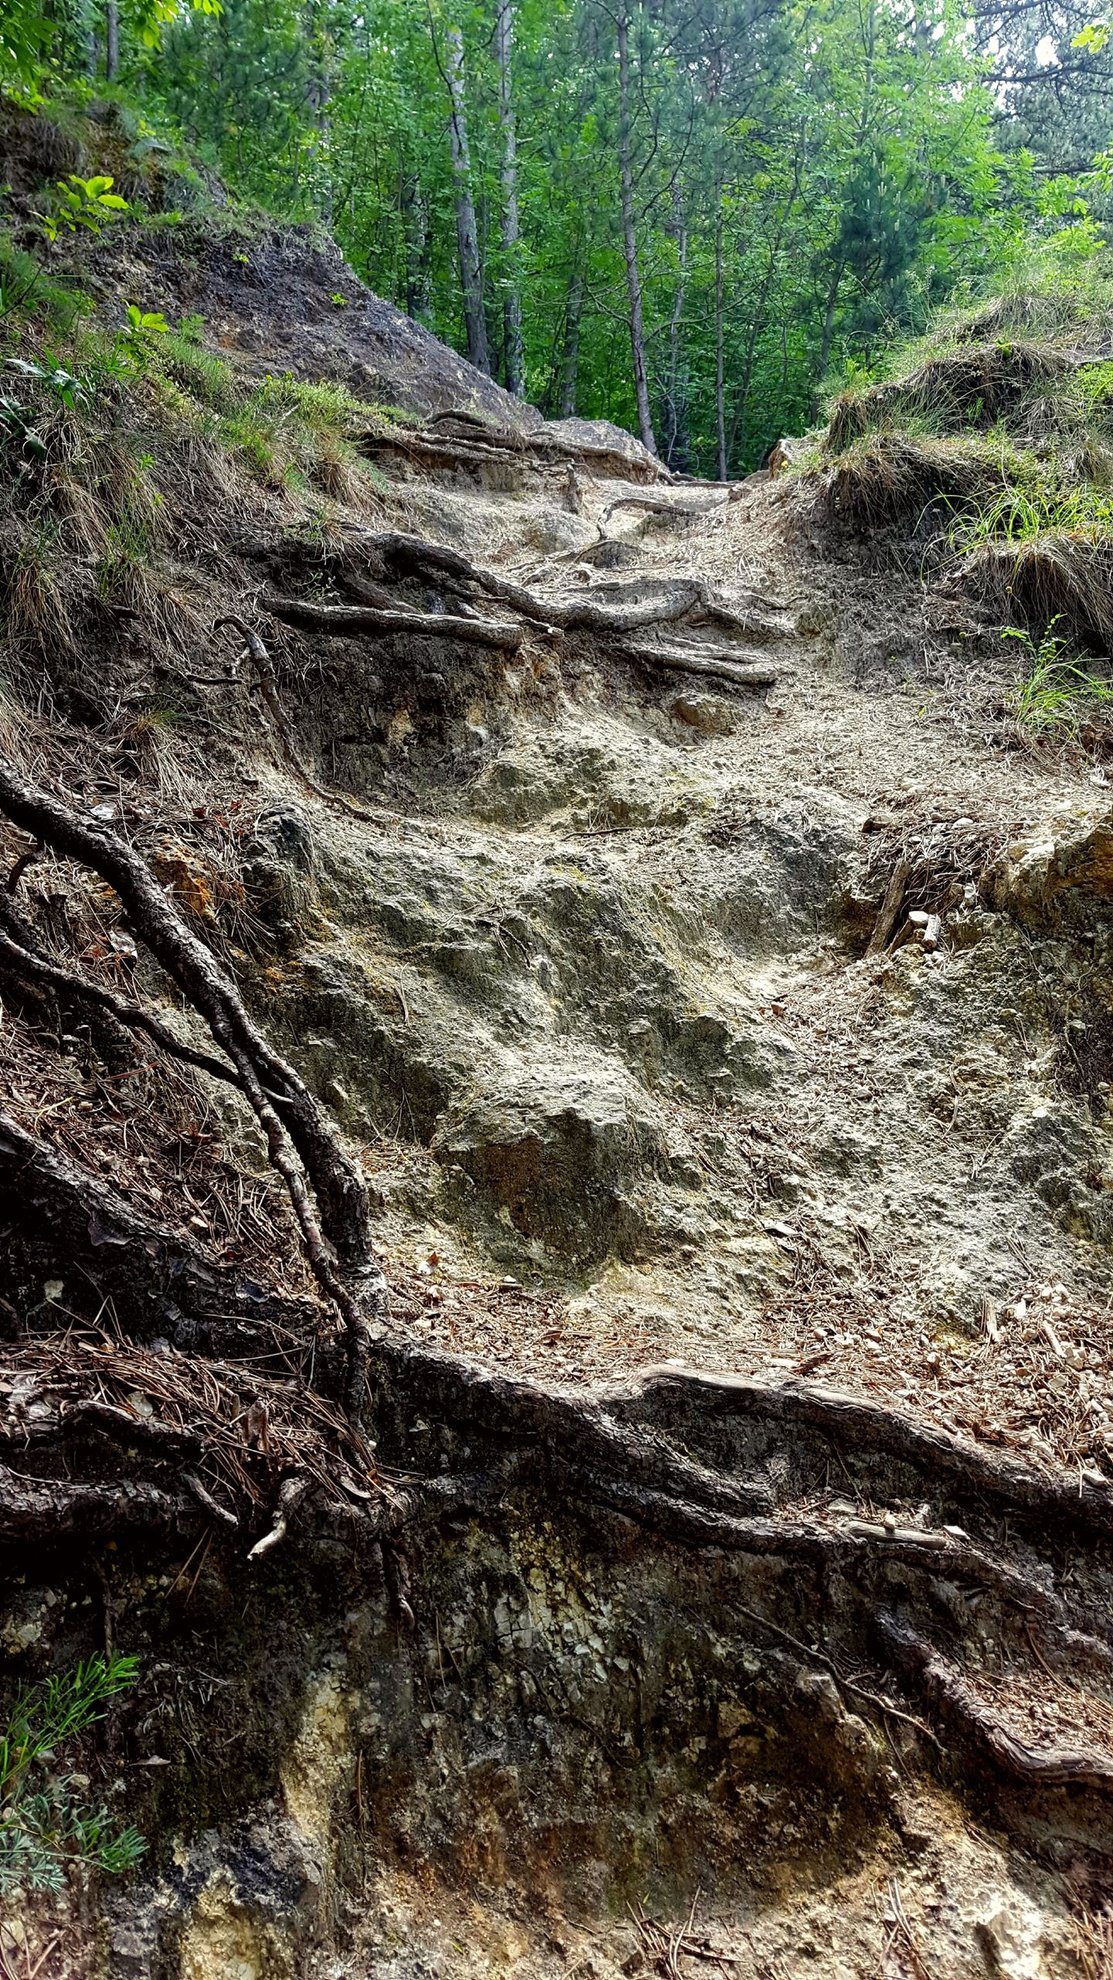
(682, 214)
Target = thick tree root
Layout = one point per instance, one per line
(692, 1404)
(676, 1455)
(33, 1509)
(707, 663)
(355, 621)
(301, 1140)
(659, 1453)
(337, 1183)
(159, 1283)
(22, 963)
(659, 505)
(979, 1727)
(482, 445)
(412, 556)
(608, 611)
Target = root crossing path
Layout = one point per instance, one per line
(559, 1186)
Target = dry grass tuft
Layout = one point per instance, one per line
(896, 482)
(1038, 313)
(1063, 576)
(951, 393)
(35, 610)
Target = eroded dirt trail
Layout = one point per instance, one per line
(779, 1604)
(650, 1098)
(635, 971)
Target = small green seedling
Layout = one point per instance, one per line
(145, 322)
(53, 378)
(44, 1826)
(1058, 688)
(88, 203)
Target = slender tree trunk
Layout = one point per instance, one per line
(511, 231)
(111, 41)
(760, 314)
(829, 320)
(467, 232)
(570, 352)
(630, 238)
(677, 448)
(869, 32)
(720, 402)
(415, 230)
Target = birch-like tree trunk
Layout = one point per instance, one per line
(677, 446)
(514, 365)
(111, 41)
(467, 232)
(570, 355)
(630, 237)
(720, 397)
(415, 228)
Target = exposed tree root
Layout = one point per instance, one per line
(979, 1728)
(708, 663)
(609, 611)
(337, 1183)
(263, 667)
(22, 963)
(481, 445)
(621, 1452)
(680, 1456)
(347, 621)
(692, 1404)
(659, 505)
(159, 1283)
(32, 1509)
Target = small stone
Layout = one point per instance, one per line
(704, 712)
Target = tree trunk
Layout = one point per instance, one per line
(760, 315)
(630, 239)
(415, 230)
(467, 232)
(570, 356)
(677, 449)
(514, 366)
(319, 100)
(720, 405)
(111, 41)
(829, 321)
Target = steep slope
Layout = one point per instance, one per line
(572, 899)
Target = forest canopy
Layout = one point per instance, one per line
(688, 216)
